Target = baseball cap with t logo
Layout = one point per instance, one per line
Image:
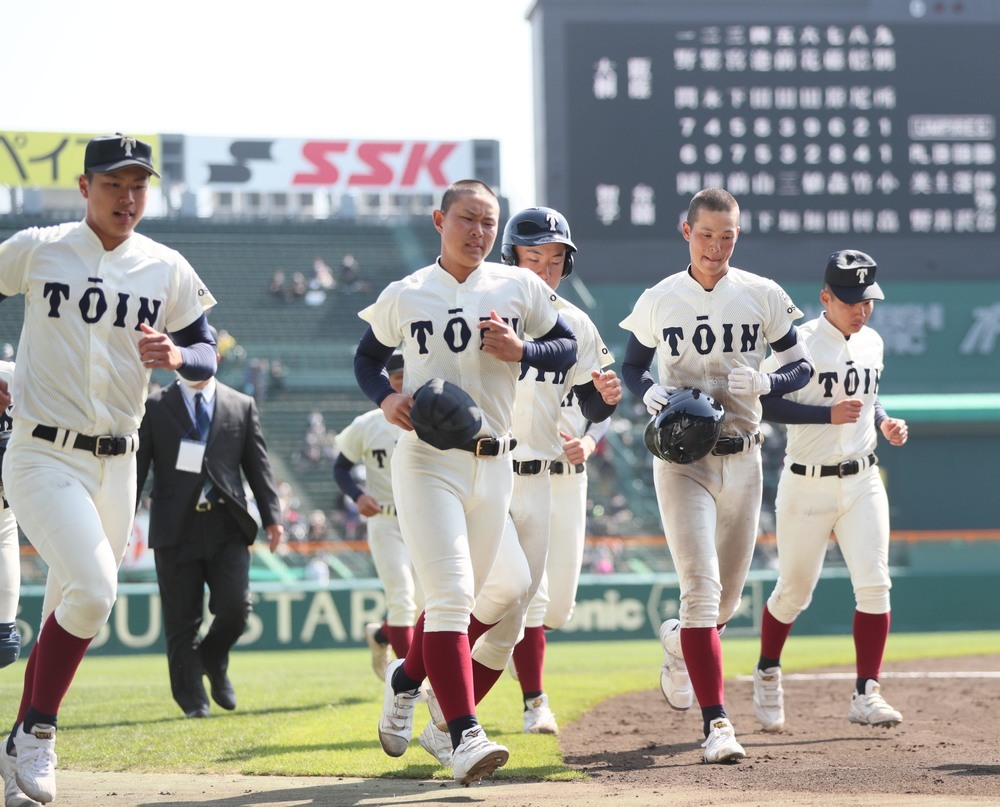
(111, 152)
(850, 274)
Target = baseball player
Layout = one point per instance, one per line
(830, 483)
(371, 439)
(461, 320)
(10, 555)
(553, 604)
(539, 239)
(103, 306)
(709, 327)
(10, 585)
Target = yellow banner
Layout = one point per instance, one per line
(51, 159)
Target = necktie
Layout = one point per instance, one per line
(202, 421)
(201, 418)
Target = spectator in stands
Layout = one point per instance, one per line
(311, 453)
(322, 276)
(226, 343)
(277, 383)
(350, 278)
(299, 286)
(257, 378)
(319, 527)
(317, 569)
(277, 287)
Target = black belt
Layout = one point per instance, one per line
(734, 445)
(104, 446)
(486, 446)
(531, 467)
(846, 468)
(567, 468)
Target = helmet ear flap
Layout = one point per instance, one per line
(508, 254)
(568, 263)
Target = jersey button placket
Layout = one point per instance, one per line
(468, 359)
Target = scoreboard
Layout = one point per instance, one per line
(870, 125)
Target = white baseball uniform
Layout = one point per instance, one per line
(10, 553)
(540, 401)
(79, 372)
(553, 605)
(371, 440)
(854, 507)
(452, 504)
(710, 508)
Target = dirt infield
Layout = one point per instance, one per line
(639, 752)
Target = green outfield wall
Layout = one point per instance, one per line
(608, 607)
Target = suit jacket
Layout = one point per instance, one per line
(235, 442)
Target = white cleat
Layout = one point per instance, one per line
(769, 698)
(437, 715)
(675, 683)
(395, 727)
(380, 652)
(721, 744)
(538, 717)
(871, 709)
(35, 762)
(477, 756)
(13, 796)
(437, 743)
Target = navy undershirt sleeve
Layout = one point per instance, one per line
(635, 367)
(345, 480)
(555, 352)
(786, 341)
(198, 350)
(792, 376)
(370, 359)
(781, 410)
(880, 413)
(592, 404)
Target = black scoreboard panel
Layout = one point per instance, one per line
(867, 125)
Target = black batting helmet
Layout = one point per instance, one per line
(534, 226)
(687, 428)
(444, 415)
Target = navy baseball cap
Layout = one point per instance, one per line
(850, 274)
(111, 152)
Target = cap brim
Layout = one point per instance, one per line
(108, 167)
(857, 294)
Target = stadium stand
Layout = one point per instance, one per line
(313, 340)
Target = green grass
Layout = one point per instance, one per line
(314, 712)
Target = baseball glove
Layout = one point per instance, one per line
(444, 415)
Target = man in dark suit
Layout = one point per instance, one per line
(197, 437)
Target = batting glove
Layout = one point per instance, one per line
(745, 380)
(656, 398)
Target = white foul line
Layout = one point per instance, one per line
(850, 676)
